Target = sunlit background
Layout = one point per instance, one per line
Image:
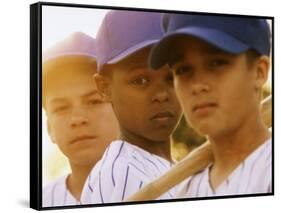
(57, 24)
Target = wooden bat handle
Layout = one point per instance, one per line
(194, 162)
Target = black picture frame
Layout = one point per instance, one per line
(36, 104)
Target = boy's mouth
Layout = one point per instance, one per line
(162, 116)
(203, 106)
(82, 138)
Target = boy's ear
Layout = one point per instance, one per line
(103, 85)
(262, 70)
(50, 132)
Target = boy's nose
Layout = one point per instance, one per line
(78, 121)
(78, 118)
(199, 83)
(161, 96)
(199, 87)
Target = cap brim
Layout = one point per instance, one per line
(131, 51)
(161, 52)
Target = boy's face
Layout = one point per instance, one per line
(78, 121)
(219, 92)
(144, 101)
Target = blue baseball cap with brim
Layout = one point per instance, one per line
(123, 33)
(228, 33)
(76, 44)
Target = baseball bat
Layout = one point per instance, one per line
(194, 162)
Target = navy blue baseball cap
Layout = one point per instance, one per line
(228, 33)
(123, 33)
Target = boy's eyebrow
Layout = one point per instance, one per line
(57, 100)
(64, 99)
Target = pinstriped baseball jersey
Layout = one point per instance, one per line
(57, 194)
(123, 170)
(253, 175)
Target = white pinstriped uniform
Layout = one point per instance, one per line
(123, 170)
(253, 175)
(57, 194)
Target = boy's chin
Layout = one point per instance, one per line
(160, 137)
(86, 157)
(205, 129)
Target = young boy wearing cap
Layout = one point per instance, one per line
(220, 65)
(144, 103)
(79, 122)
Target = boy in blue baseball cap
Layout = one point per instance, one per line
(220, 65)
(144, 103)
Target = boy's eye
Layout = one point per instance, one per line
(218, 62)
(60, 109)
(170, 78)
(94, 102)
(140, 81)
